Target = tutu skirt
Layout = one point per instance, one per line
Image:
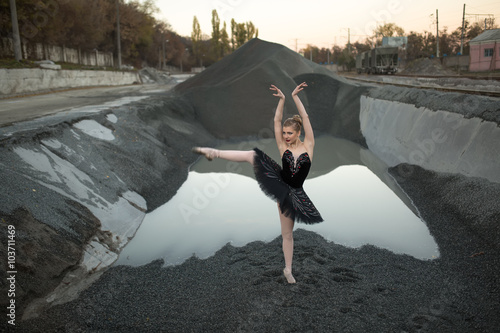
(294, 202)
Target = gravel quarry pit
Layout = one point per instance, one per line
(77, 187)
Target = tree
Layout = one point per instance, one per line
(251, 31)
(196, 39)
(233, 34)
(241, 34)
(361, 47)
(224, 38)
(137, 33)
(386, 30)
(389, 30)
(473, 30)
(415, 45)
(216, 35)
(336, 53)
(346, 59)
(90, 26)
(311, 52)
(449, 43)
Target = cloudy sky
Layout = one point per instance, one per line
(323, 23)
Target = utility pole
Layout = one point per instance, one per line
(462, 39)
(164, 66)
(118, 42)
(160, 61)
(163, 48)
(348, 38)
(437, 34)
(15, 31)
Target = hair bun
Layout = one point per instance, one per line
(298, 119)
(295, 121)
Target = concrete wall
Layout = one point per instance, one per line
(333, 68)
(435, 140)
(27, 81)
(461, 62)
(38, 51)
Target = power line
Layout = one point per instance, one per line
(483, 6)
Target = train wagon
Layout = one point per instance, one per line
(380, 60)
(384, 60)
(362, 62)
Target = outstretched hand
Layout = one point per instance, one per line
(278, 92)
(299, 88)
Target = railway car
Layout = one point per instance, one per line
(380, 60)
(384, 60)
(362, 61)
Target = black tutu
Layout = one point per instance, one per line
(293, 200)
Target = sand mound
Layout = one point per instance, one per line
(232, 97)
(426, 66)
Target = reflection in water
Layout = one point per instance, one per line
(212, 208)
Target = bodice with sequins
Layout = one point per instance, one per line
(295, 173)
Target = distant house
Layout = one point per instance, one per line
(485, 51)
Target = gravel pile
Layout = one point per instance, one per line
(426, 66)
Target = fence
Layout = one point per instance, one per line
(452, 62)
(457, 62)
(38, 51)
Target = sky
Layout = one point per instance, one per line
(323, 23)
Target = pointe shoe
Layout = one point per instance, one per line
(288, 275)
(209, 153)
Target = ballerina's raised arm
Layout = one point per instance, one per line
(308, 130)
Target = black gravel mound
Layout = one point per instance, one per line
(232, 97)
(338, 289)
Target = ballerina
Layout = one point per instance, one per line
(282, 184)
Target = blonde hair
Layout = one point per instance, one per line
(295, 122)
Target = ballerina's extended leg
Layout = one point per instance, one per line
(209, 153)
(230, 155)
